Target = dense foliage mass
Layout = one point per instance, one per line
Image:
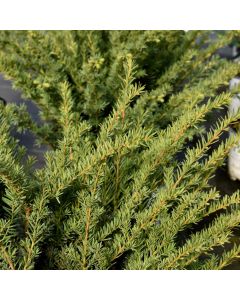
(118, 108)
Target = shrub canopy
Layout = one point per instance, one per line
(119, 107)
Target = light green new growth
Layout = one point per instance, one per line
(126, 183)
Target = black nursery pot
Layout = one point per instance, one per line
(3, 101)
(230, 52)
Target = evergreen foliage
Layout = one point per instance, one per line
(119, 107)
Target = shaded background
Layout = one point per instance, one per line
(27, 138)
